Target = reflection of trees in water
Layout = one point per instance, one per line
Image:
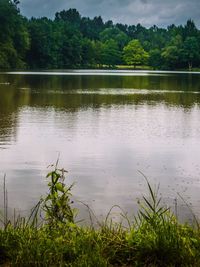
(8, 113)
(60, 92)
(183, 82)
(11, 99)
(74, 102)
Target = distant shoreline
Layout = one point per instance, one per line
(98, 71)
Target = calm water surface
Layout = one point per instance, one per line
(106, 126)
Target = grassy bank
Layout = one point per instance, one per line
(52, 237)
(127, 67)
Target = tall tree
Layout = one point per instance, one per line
(14, 37)
(115, 34)
(72, 16)
(111, 55)
(170, 56)
(190, 54)
(155, 58)
(134, 54)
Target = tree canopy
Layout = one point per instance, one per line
(134, 54)
(72, 41)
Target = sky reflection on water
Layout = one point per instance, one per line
(105, 128)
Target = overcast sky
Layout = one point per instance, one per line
(147, 12)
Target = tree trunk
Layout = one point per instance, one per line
(190, 66)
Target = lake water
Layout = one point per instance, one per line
(107, 126)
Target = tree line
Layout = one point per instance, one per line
(72, 41)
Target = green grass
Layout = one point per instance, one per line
(153, 238)
(139, 67)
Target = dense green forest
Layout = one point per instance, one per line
(73, 41)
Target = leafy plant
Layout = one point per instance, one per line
(57, 203)
(151, 209)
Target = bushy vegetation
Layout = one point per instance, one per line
(72, 41)
(51, 236)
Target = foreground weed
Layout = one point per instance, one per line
(159, 239)
(57, 204)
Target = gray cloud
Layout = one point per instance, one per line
(146, 12)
